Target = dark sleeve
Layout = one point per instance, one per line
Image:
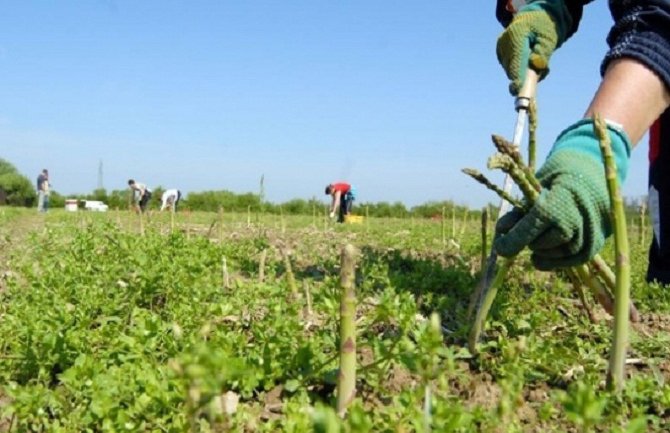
(574, 6)
(641, 31)
(502, 15)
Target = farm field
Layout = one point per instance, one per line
(230, 322)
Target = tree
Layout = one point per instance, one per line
(15, 188)
(99, 194)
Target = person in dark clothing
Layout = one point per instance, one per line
(659, 199)
(570, 221)
(42, 186)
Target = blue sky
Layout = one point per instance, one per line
(395, 97)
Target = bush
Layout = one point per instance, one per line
(15, 189)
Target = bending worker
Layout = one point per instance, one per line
(343, 197)
(170, 198)
(141, 194)
(570, 221)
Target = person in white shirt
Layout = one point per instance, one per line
(141, 192)
(170, 198)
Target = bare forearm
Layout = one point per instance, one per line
(631, 95)
(336, 202)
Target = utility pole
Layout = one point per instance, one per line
(100, 183)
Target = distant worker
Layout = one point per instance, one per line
(141, 194)
(43, 191)
(343, 197)
(170, 198)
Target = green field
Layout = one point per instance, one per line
(115, 324)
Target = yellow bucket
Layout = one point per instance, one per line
(353, 219)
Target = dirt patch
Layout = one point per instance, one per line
(399, 378)
(482, 391)
(653, 323)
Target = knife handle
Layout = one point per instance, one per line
(527, 91)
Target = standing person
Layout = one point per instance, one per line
(570, 221)
(42, 186)
(141, 193)
(343, 197)
(170, 198)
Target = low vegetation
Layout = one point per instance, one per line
(171, 331)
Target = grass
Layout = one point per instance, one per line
(108, 330)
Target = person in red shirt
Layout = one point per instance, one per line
(343, 197)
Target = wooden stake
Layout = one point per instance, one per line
(172, 218)
(281, 219)
(261, 265)
(346, 380)
(313, 214)
(290, 278)
(308, 300)
(444, 228)
(464, 226)
(367, 218)
(224, 270)
(221, 225)
(325, 219)
(141, 217)
(188, 225)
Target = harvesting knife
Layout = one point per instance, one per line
(521, 104)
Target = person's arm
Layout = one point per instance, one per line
(569, 222)
(336, 202)
(532, 34)
(505, 12)
(632, 96)
(136, 195)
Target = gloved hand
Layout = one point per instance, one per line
(332, 215)
(570, 220)
(531, 38)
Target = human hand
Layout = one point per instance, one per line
(531, 38)
(332, 215)
(570, 220)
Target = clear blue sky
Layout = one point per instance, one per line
(394, 96)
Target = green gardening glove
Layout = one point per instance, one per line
(570, 220)
(531, 38)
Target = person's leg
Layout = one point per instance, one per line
(349, 202)
(342, 209)
(40, 201)
(659, 200)
(144, 200)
